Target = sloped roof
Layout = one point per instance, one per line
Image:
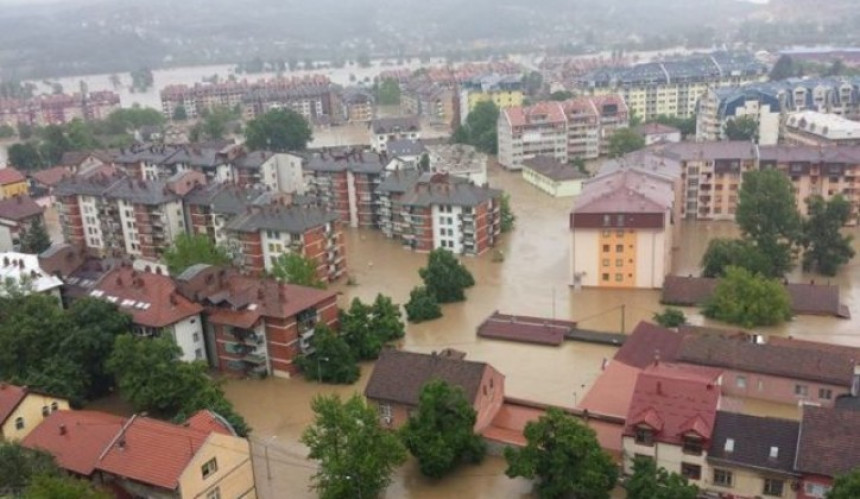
(553, 168)
(19, 208)
(10, 397)
(443, 189)
(625, 191)
(399, 376)
(395, 124)
(76, 439)
(752, 439)
(291, 219)
(538, 114)
(225, 198)
(655, 129)
(612, 390)
(253, 160)
(10, 175)
(52, 176)
(341, 160)
(20, 267)
(405, 147)
(828, 441)
(208, 421)
(646, 342)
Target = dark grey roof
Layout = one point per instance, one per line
(253, 160)
(405, 147)
(226, 199)
(291, 219)
(196, 156)
(192, 271)
(401, 123)
(152, 192)
(96, 185)
(399, 181)
(553, 169)
(828, 441)
(440, 189)
(150, 154)
(752, 439)
(356, 161)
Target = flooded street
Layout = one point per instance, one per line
(533, 280)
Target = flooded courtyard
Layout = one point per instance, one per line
(533, 280)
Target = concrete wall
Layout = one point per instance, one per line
(653, 259)
(30, 410)
(585, 256)
(188, 334)
(666, 456)
(289, 173)
(552, 187)
(235, 474)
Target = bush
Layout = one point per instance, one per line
(422, 306)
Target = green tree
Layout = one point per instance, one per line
(214, 124)
(278, 130)
(424, 163)
(388, 92)
(356, 455)
(191, 249)
(89, 342)
(767, 215)
(180, 114)
(441, 433)
(742, 128)
(565, 457)
(481, 127)
(508, 219)
(533, 83)
(80, 136)
(748, 300)
(35, 238)
(63, 487)
(152, 378)
(20, 465)
(445, 277)
(650, 482)
(330, 358)
(356, 330)
(723, 253)
(422, 305)
(837, 68)
(54, 144)
(671, 317)
(784, 68)
(846, 486)
(6, 131)
(825, 248)
(133, 118)
(295, 268)
(561, 95)
(623, 141)
(142, 79)
(386, 319)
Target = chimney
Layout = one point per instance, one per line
(62, 429)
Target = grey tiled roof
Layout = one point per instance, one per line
(405, 147)
(96, 185)
(445, 190)
(153, 192)
(753, 438)
(225, 198)
(399, 181)
(401, 123)
(291, 219)
(253, 160)
(346, 160)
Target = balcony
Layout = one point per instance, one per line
(248, 336)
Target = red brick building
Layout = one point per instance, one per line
(346, 182)
(256, 326)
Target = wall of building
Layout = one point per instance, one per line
(6, 237)
(188, 334)
(777, 389)
(666, 456)
(289, 173)
(585, 257)
(31, 411)
(491, 396)
(814, 487)
(235, 474)
(745, 482)
(14, 189)
(556, 188)
(653, 248)
(447, 228)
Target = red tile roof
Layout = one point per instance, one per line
(540, 113)
(674, 401)
(52, 176)
(645, 342)
(152, 452)
(828, 439)
(10, 175)
(209, 422)
(19, 208)
(625, 191)
(611, 392)
(10, 397)
(526, 329)
(76, 439)
(133, 290)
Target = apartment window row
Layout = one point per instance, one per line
(619, 248)
(48, 410)
(619, 277)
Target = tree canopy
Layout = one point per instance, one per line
(825, 247)
(480, 129)
(846, 486)
(35, 239)
(445, 277)
(767, 215)
(25, 156)
(191, 249)
(508, 219)
(356, 455)
(650, 482)
(440, 434)
(330, 358)
(748, 300)
(180, 114)
(563, 454)
(625, 140)
(723, 253)
(278, 130)
(19, 466)
(367, 328)
(388, 92)
(63, 487)
(687, 126)
(742, 128)
(671, 318)
(295, 268)
(422, 305)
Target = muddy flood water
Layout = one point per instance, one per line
(533, 280)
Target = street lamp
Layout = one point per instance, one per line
(319, 367)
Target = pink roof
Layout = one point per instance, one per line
(542, 112)
(52, 176)
(207, 421)
(10, 175)
(135, 290)
(611, 392)
(10, 397)
(674, 400)
(76, 439)
(625, 191)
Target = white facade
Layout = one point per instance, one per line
(277, 243)
(379, 141)
(175, 219)
(653, 256)
(6, 243)
(460, 160)
(447, 228)
(555, 188)
(585, 257)
(188, 335)
(129, 228)
(665, 455)
(517, 143)
(92, 229)
(288, 172)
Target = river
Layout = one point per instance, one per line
(533, 280)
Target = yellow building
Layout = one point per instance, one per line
(12, 183)
(22, 409)
(504, 91)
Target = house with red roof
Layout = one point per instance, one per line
(827, 447)
(671, 418)
(17, 214)
(145, 457)
(12, 183)
(22, 409)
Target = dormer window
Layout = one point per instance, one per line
(692, 445)
(644, 436)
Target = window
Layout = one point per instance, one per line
(45, 411)
(801, 390)
(691, 471)
(606, 248)
(619, 233)
(19, 423)
(825, 393)
(606, 233)
(692, 446)
(209, 467)
(816, 489)
(644, 436)
(605, 277)
(619, 248)
(605, 262)
(619, 277)
(619, 262)
(760, 385)
(195, 337)
(723, 478)
(385, 411)
(773, 487)
(198, 354)
(741, 382)
(55, 406)
(214, 493)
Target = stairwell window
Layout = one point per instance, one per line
(209, 468)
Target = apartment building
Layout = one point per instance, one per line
(357, 105)
(503, 90)
(280, 172)
(433, 101)
(264, 233)
(811, 128)
(385, 130)
(256, 326)
(208, 208)
(60, 109)
(17, 215)
(622, 228)
(426, 211)
(576, 128)
(459, 160)
(672, 88)
(345, 182)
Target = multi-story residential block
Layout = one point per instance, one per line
(17, 215)
(526, 132)
(144, 457)
(811, 128)
(671, 419)
(672, 88)
(256, 326)
(12, 183)
(357, 105)
(384, 130)
(718, 106)
(434, 101)
(276, 171)
(155, 162)
(398, 376)
(426, 211)
(583, 129)
(46, 110)
(622, 228)
(612, 114)
(502, 90)
(22, 409)
(24, 272)
(265, 233)
(459, 160)
(209, 208)
(553, 177)
(752, 456)
(346, 182)
(156, 307)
